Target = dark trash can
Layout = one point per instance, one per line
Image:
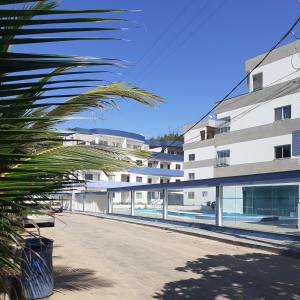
(37, 270)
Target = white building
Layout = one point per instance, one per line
(257, 132)
(160, 168)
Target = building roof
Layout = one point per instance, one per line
(166, 157)
(102, 185)
(255, 179)
(276, 54)
(156, 172)
(164, 143)
(111, 132)
(265, 94)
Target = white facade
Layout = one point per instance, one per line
(159, 168)
(254, 132)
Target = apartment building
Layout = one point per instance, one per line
(257, 132)
(161, 167)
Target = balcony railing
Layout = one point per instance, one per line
(222, 161)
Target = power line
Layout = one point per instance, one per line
(180, 13)
(179, 45)
(285, 35)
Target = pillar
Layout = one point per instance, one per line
(109, 203)
(165, 204)
(219, 205)
(132, 196)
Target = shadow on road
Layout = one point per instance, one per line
(71, 279)
(249, 276)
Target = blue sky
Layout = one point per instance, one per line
(191, 52)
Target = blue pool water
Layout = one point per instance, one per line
(193, 215)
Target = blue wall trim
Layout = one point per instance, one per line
(296, 143)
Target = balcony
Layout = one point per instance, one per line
(222, 162)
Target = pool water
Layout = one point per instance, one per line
(226, 216)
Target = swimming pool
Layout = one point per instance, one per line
(226, 216)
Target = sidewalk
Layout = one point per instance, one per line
(279, 246)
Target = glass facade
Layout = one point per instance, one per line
(271, 200)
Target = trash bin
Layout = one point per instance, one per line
(37, 270)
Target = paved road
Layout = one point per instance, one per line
(103, 259)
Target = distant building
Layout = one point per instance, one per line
(257, 132)
(161, 167)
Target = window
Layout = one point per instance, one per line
(204, 194)
(223, 125)
(150, 165)
(223, 158)
(192, 157)
(283, 151)
(125, 178)
(98, 177)
(202, 135)
(139, 179)
(191, 176)
(149, 180)
(111, 177)
(191, 195)
(177, 180)
(88, 176)
(137, 147)
(282, 113)
(161, 166)
(139, 162)
(178, 167)
(161, 180)
(103, 143)
(168, 166)
(138, 196)
(257, 81)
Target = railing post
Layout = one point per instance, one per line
(165, 204)
(219, 205)
(132, 194)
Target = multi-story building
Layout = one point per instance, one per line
(159, 168)
(257, 132)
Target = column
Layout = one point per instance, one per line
(132, 195)
(109, 203)
(219, 205)
(72, 200)
(165, 204)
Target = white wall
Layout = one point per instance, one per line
(278, 71)
(200, 153)
(261, 113)
(255, 150)
(200, 173)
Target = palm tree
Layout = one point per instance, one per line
(34, 163)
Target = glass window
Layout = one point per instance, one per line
(178, 167)
(257, 81)
(88, 176)
(150, 164)
(202, 135)
(161, 166)
(139, 179)
(283, 151)
(223, 158)
(177, 180)
(282, 113)
(191, 157)
(191, 195)
(191, 176)
(204, 194)
(149, 180)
